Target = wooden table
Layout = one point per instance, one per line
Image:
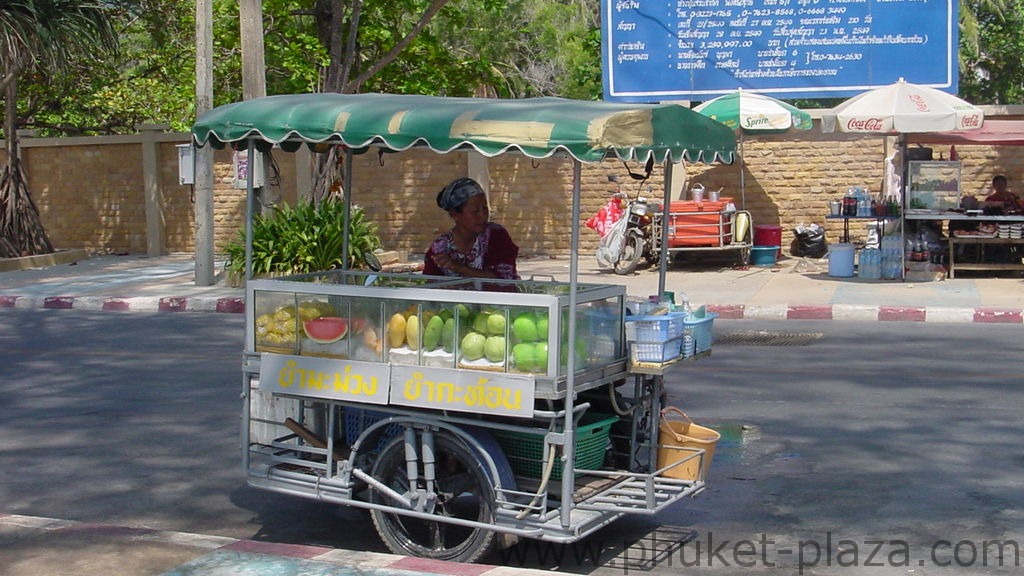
(973, 240)
(969, 240)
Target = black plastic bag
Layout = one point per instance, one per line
(810, 241)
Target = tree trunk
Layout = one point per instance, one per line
(21, 230)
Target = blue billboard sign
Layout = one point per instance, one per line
(662, 50)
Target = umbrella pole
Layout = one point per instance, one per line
(743, 185)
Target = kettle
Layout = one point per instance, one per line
(697, 193)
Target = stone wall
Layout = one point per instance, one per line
(90, 191)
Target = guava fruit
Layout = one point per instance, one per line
(540, 355)
(494, 348)
(472, 346)
(525, 327)
(542, 326)
(480, 322)
(525, 357)
(325, 329)
(496, 324)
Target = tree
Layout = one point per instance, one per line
(43, 36)
(992, 71)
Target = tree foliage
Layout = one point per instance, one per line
(506, 48)
(993, 71)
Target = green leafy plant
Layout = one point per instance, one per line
(304, 238)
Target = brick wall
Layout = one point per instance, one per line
(90, 191)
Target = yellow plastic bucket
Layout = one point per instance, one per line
(679, 438)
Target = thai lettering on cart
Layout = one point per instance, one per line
(464, 391)
(482, 394)
(325, 378)
(343, 381)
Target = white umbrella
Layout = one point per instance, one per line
(903, 107)
(752, 113)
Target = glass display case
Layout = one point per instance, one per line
(933, 185)
(400, 320)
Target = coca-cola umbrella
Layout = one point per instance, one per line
(752, 113)
(903, 107)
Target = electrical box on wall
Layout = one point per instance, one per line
(240, 164)
(186, 164)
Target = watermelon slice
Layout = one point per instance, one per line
(326, 329)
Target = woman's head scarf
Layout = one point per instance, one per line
(456, 194)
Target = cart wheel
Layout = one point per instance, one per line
(745, 256)
(461, 490)
(629, 257)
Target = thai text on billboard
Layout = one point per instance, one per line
(659, 50)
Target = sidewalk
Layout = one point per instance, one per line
(34, 546)
(791, 289)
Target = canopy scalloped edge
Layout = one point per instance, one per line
(588, 131)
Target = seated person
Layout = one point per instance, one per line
(1001, 195)
(475, 247)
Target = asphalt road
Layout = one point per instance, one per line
(859, 448)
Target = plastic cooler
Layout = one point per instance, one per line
(699, 223)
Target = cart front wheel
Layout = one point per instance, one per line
(461, 489)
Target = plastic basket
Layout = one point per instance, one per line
(653, 328)
(655, 351)
(698, 335)
(359, 419)
(679, 438)
(525, 450)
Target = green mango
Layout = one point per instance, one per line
(432, 333)
(448, 335)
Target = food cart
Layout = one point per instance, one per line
(464, 414)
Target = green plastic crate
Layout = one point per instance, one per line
(525, 450)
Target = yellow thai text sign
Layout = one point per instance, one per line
(325, 378)
(462, 390)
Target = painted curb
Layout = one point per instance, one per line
(852, 312)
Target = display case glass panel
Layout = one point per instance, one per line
(933, 185)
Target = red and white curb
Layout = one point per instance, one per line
(206, 543)
(134, 304)
(867, 313)
(856, 312)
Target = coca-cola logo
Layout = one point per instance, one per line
(919, 102)
(972, 121)
(865, 125)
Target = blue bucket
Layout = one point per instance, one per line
(840, 260)
(763, 255)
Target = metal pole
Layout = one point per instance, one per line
(665, 204)
(569, 448)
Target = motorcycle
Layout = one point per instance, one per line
(636, 234)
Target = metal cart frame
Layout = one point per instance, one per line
(414, 483)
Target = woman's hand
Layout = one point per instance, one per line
(445, 262)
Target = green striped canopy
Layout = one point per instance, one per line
(537, 127)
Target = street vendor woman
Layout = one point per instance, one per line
(474, 247)
(1001, 194)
